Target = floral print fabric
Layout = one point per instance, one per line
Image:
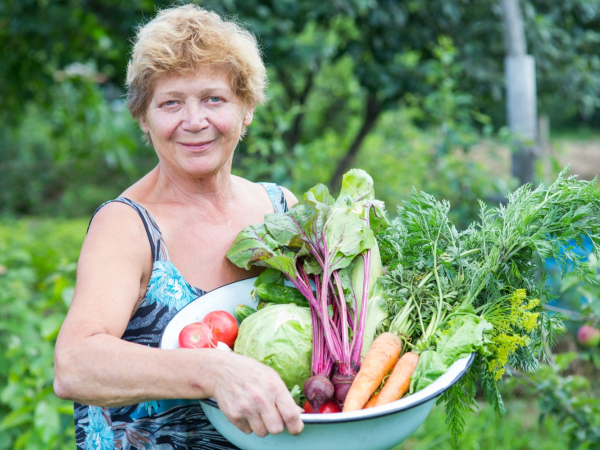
(160, 424)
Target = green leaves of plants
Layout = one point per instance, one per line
(255, 246)
(465, 335)
(347, 235)
(436, 275)
(338, 227)
(46, 421)
(312, 243)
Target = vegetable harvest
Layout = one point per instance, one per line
(317, 243)
(446, 293)
(452, 293)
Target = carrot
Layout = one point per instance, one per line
(380, 359)
(398, 382)
(371, 401)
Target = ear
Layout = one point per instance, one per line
(248, 116)
(144, 125)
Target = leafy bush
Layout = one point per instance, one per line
(70, 158)
(37, 276)
(520, 429)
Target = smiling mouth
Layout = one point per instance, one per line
(196, 146)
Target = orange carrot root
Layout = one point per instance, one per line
(380, 359)
(398, 382)
(371, 402)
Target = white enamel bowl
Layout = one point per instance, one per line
(379, 428)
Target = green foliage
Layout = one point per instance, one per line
(40, 40)
(438, 277)
(37, 276)
(570, 398)
(59, 160)
(520, 429)
(460, 399)
(340, 73)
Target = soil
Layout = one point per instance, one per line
(582, 156)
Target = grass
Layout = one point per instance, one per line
(580, 133)
(520, 429)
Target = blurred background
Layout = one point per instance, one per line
(464, 100)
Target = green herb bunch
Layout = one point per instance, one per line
(483, 290)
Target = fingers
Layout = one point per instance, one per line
(272, 420)
(258, 401)
(243, 425)
(290, 413)
(257, 425)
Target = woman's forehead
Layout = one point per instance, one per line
(202, 80)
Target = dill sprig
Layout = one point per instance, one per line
(492, 270)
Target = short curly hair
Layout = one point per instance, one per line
(179, 41)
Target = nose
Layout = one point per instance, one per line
(195, 117)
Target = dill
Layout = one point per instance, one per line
(492, 272)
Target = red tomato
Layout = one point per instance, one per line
(308, 407)
(197, 335)
(328, 408)
(224, 326)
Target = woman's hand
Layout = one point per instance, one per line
(254, 398)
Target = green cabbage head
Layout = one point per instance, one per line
(279, 336)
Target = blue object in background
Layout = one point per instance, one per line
(553, 268)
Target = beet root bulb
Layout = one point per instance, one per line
(341, 386)
(318, 391)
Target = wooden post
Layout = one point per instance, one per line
(521, 102)
(545, 146)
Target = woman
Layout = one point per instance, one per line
(193, 82)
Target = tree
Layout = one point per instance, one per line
(335, 67)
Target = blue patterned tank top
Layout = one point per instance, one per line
(160, 424)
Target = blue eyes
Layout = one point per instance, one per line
(213, 99)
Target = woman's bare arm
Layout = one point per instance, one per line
(94, 366)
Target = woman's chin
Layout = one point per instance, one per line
(200, 169)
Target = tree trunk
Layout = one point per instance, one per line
(372, 111)
(521, 104)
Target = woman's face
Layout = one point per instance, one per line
(195, 122)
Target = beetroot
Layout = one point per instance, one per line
(318, 391)
(341, 385)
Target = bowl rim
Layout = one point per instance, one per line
(366, 414)
(162, 333)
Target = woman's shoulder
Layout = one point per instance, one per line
(259, 188)
(117, 222)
